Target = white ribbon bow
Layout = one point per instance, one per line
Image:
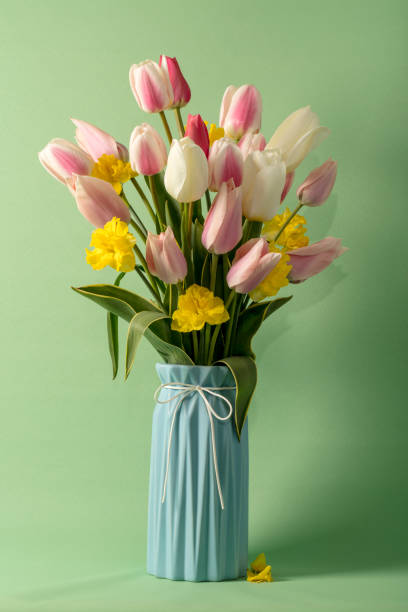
(185, 389)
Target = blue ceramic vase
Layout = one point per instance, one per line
(198, 514)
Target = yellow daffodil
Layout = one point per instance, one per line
(214, 132)
(259, 571)
(293, 236)
(113, 170)
(196, 307)
(113, 247)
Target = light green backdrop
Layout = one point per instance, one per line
(328, 426)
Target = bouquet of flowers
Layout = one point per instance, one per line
(215, 243)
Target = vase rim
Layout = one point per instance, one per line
(190, 367)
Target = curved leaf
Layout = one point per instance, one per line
(138, 327)
(110, 296)
(250, 321)
(113, 341)
(113, 332)
(244, 372)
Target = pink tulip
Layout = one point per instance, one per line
(241, 110)
(98, 202)
(165, 258)
(252, 263)
(197, 131)
(315, 190)
(148, 153)
(62, 159)
(310, 260)
(96, 142)
(151, 86)
(181, 90)
(288, 184)
(223, 224)
(250, 143)
(225, 162)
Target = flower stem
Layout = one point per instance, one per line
(252, 229)
(144, 198)
(138, 230)
(218, 327)
(136, 216)
(231, 323)
(208, 198)
(179, 121)
(189, 223)
(155, 200)
(150, 277)
(213, 278)
(166, 127)
(298, 207)
(195, 345)
(146, 282)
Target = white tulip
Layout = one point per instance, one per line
(297, 135)
(264, 180)
(186, 176)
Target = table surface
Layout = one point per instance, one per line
(130, 591)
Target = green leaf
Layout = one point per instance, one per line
(113, 340)
(250, 321)
(140, 326)
(244, 372)
(173, 219)
(199, 252)
(170, 298)
(113, 334)
(164, 197)
(206, 271)
(119, 301)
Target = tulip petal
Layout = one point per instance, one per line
(94, 141)
(310, 260)
(307, 143)
(292, 128)
(98, 202)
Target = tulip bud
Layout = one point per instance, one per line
(241, 110)
(96, 142)
(98, 202)
(165, 258)
(197, 131)
(250, 143)
(225, 162)
(186, 175)
(252, 263)
(310, 260)
(62, 159)
(264, 180)
(151, 86)
(148, 153)
(317, 187)
(181, 90)
(297, 135)
(288, 184)
(223, 224)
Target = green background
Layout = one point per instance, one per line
(328, 425)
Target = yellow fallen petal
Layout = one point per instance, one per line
(259, 564)
(264, 576)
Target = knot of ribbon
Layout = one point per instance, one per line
(184, 390)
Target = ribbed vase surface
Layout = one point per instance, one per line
(190, 536)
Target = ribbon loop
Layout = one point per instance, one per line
(183, 391)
